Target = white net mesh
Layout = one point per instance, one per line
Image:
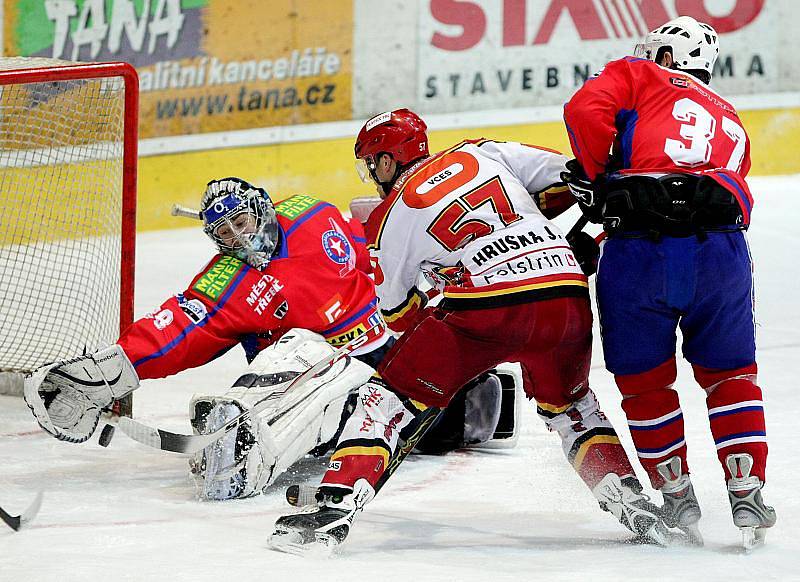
(61, 148)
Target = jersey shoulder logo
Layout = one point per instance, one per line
(336, 246)
(218, 277)
(296, 205)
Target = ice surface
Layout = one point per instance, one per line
(129, 513)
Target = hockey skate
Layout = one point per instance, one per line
(750, 514)
(624, 499)
(320, 529)
(681, 508)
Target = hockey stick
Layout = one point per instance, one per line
(298, 495)
(185, 211)
(16, 522)
(578, 226)
(193, 443)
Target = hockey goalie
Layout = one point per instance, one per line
(290, 283)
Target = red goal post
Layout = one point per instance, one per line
(68, 164)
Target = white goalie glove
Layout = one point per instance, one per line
(249, 459)
(67, 397)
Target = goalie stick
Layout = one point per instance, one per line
(16, 522)
(193, 443)
(578, 226)
(185, 211)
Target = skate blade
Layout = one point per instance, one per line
(753, 538)
(289, 542)
(693, 535)
(669, 538)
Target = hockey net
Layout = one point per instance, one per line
(67, 209)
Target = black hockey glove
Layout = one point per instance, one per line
(586, 192)
(586, 251)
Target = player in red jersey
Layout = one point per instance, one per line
(674, 202)
(296, 264)
(312, 274)
(470, 219)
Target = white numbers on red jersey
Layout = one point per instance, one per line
(734, 131)
(699, 128)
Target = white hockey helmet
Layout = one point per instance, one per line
(694, 45)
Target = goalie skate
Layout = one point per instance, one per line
(750, 514)
(681, 508)
(623, 498)
(221, 464)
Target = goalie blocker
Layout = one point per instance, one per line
(248, 460)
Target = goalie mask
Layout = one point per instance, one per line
(241, 221)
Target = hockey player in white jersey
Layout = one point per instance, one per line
(471, 218)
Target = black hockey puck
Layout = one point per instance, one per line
(292, 494)
(301, 495)
(106, 435)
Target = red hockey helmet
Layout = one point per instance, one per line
(400, 133)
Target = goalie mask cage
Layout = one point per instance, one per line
(68, 138)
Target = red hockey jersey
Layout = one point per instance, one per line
(658, 121)
(318, 280)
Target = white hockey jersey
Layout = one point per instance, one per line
(467, 219)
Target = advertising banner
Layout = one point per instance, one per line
(204, 65)
(220, 65)
(487, 54)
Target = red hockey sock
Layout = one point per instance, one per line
(654, 416)
(736, 414)
(599, 455)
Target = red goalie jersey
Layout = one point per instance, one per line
(318, 280)
(700, 131)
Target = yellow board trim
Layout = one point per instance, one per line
(324, 168)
